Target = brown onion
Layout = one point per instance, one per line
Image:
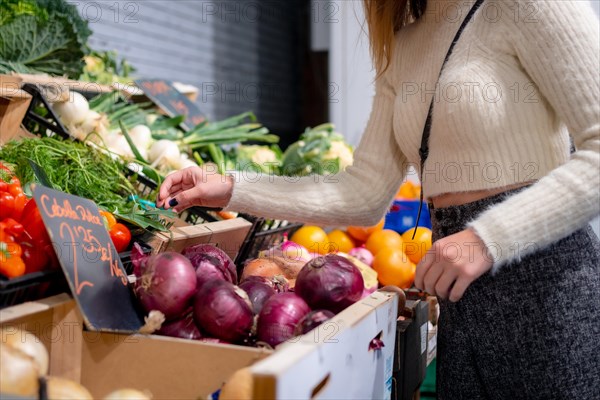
(29, 344)
(18, 373)
(66, 389)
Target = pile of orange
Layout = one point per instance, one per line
(408, 191)
(316, 240)
(396, 256)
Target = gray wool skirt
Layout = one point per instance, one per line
(531, 331)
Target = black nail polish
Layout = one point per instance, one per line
(173, 202)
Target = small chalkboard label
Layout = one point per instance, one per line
(171, 101)
(89, 260)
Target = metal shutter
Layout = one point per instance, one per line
(242, 55)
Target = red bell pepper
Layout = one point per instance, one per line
(33, 223)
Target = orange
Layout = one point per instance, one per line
(416, 248)
(380, 240)
(409, 191)
(313, 238)
(339, 241)
(362, 233)
(394, 268)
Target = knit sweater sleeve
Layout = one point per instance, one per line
(360, 195)
(559, 48)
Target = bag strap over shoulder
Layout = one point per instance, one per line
(424, 149)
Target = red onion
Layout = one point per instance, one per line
(376, 344)
(278, 282)
(211, 263)
(166, 282)
(184, 328)
(312, 320)
(330, 282)
(137, 259)
(362, 254)
(223, 311)
(279, 317)
(258, 292)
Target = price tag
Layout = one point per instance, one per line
(171, 101)
(89, 260)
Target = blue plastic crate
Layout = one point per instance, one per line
(403, 216)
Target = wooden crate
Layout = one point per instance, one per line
(14, 103)
(227, 235)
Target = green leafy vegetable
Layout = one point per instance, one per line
(43, 36)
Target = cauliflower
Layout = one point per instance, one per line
(258, 158)
(320, 150)
(341, 151)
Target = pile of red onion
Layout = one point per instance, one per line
(197, 293)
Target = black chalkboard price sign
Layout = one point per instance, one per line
(89, 260)
(171, 101)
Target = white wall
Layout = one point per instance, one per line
(351, 71)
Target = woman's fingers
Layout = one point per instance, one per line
(173, 179)
(423, 267)
(444, 283)
(431, 278)
(459, 289)
(176, 182)
(186, 199)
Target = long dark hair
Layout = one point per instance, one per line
(384, 19)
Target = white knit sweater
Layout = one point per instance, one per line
(523, 76)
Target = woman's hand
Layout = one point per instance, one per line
(195, 186)
(452, 264)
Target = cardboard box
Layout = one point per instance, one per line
(410, 358)
(334, 361)
(169, 368)
(14, 103)
(227, 235)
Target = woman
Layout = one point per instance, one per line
(514, 263)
